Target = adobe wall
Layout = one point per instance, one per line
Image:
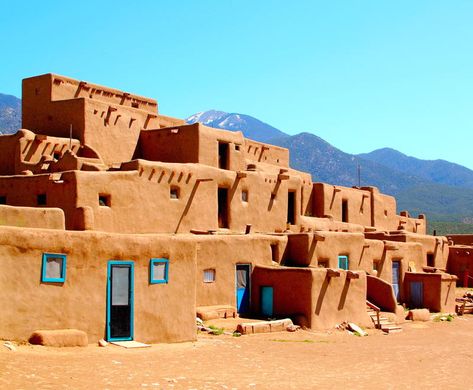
(32, 217)
(435, 246)
(331, 300)
(438, 290)
(163, 312)
(328, 201)
(323, 249)
(102, 118)
(60, 191)
(222, 253)
(460, 263)
(260, 152)
(265, 207)
(461, 239)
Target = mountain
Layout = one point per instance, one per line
(252, 128)
(10, 114)
(437, 171)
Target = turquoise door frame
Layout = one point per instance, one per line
(120, 264)
(243, 287)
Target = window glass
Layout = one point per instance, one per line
(53, 268)
(158, 271)
(209, 275)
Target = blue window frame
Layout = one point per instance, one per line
(158, 271)
(343, 262)
(53, 268)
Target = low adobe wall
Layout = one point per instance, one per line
(32, 217)
(163, 312)
(381, 294)
(324, 301)
(438, 290)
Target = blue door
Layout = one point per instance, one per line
(267, 301)
(120, 300)
(242, 280)
(417, 295)
(396, 278)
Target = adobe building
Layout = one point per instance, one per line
(125, 223)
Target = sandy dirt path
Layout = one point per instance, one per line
(424, 356)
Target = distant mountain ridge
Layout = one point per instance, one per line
(10, 114)
(438, 171)
(253, 128)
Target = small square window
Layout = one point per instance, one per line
(174, 193)
(3, 199)
(135, 105)
(105, 200)
(53, 268)
(158, 271)
(209, 275)
(41, 199)
(237, 148)
(244, 195)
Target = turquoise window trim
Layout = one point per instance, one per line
(44, 264)
(343, 262)
(154, 261)
(132, 300)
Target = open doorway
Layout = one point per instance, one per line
(223, 208)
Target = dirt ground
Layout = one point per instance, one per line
(425, 355)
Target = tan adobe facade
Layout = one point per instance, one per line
(124, 223)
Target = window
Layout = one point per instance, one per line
(135, 105)
(41, 199)
(158, 271)
(322, 263)
(209, 275)
(53, 268)
(237, 148)
(343, 262)
(174, 193)
(244, 196)
(3, 199)
(104, 200)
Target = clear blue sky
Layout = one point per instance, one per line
(360, 74)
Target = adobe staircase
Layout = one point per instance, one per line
(381, 322)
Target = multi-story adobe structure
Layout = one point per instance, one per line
(123, 223)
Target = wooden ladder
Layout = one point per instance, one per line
(381, 323)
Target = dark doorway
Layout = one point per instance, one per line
(223, 208)
(430, 260)
(120, 301)
(344, 210)
(223, 162)
(291, 207)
